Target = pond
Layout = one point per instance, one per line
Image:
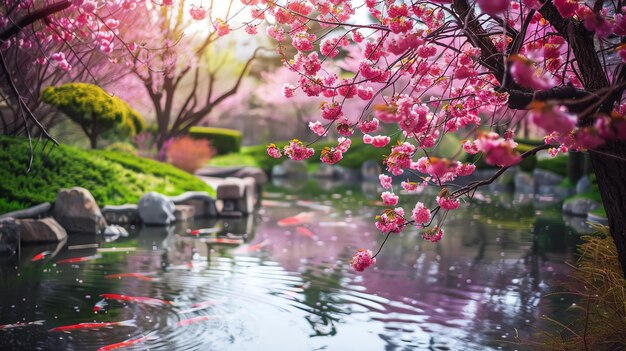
(290, 287)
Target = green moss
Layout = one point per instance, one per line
(112, 178)
(223, 140)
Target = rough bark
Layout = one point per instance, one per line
(611, 174)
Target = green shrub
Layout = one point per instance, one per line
(112, 178)
(556, 165)
(223, 140)
(122, 147)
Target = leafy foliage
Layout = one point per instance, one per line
(223, 140)
(94, 109)
(112, 178)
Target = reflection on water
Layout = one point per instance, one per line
(289, 287)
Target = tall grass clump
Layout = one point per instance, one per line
(599, 319)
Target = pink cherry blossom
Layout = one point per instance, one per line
(297, 151)
(385, 181)
(434, 234)
(197, 12)
(273, 151)
(221, 27)
(391, 221)
(362, 260)
(493, 7)
(317, 128)
(389, 198)
(421, 214)
(331, 155)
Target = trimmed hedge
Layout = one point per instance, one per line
(556, 165)
(257, 155)
(113, 178)
(223, 140)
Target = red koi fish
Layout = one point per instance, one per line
(126, 343)
(68, 328)
(304, 231)
(299, 219)
(204, 231)
(130, 275)
(100, 305)
(138, 299)
(40, 256)
(79, 259)
(20, 324)
(194, 320)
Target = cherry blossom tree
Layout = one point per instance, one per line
(477, 68)
(50, 42)
(181, 67)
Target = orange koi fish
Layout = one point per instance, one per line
(126, 343)
(40, 256)
(194, 320)
(304, 231)
(138, 299)
(130, 275)
(68, 328)
(21, 324)
(224, 241)
(299, 219)
(253, 248)
(79, 259)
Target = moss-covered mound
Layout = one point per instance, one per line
(113, 178)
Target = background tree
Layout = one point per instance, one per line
(94, 110)
(189, 75)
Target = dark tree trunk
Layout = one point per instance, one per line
(93, 140)
(611, 175)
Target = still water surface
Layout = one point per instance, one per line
(291, 288)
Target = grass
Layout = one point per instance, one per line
(112, 178)
(599, 321)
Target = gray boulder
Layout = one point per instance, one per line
(36, 211)
(579, 207)
(156, 209)
(290, 168)
(524, 183)
(77, 211)
(9, 235)
(543, 177)
(583, 185)
(41, 230)
(370, 170)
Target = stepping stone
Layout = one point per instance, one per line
(184, 212)
(201, 201)
(122, 215)
(36, 211)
